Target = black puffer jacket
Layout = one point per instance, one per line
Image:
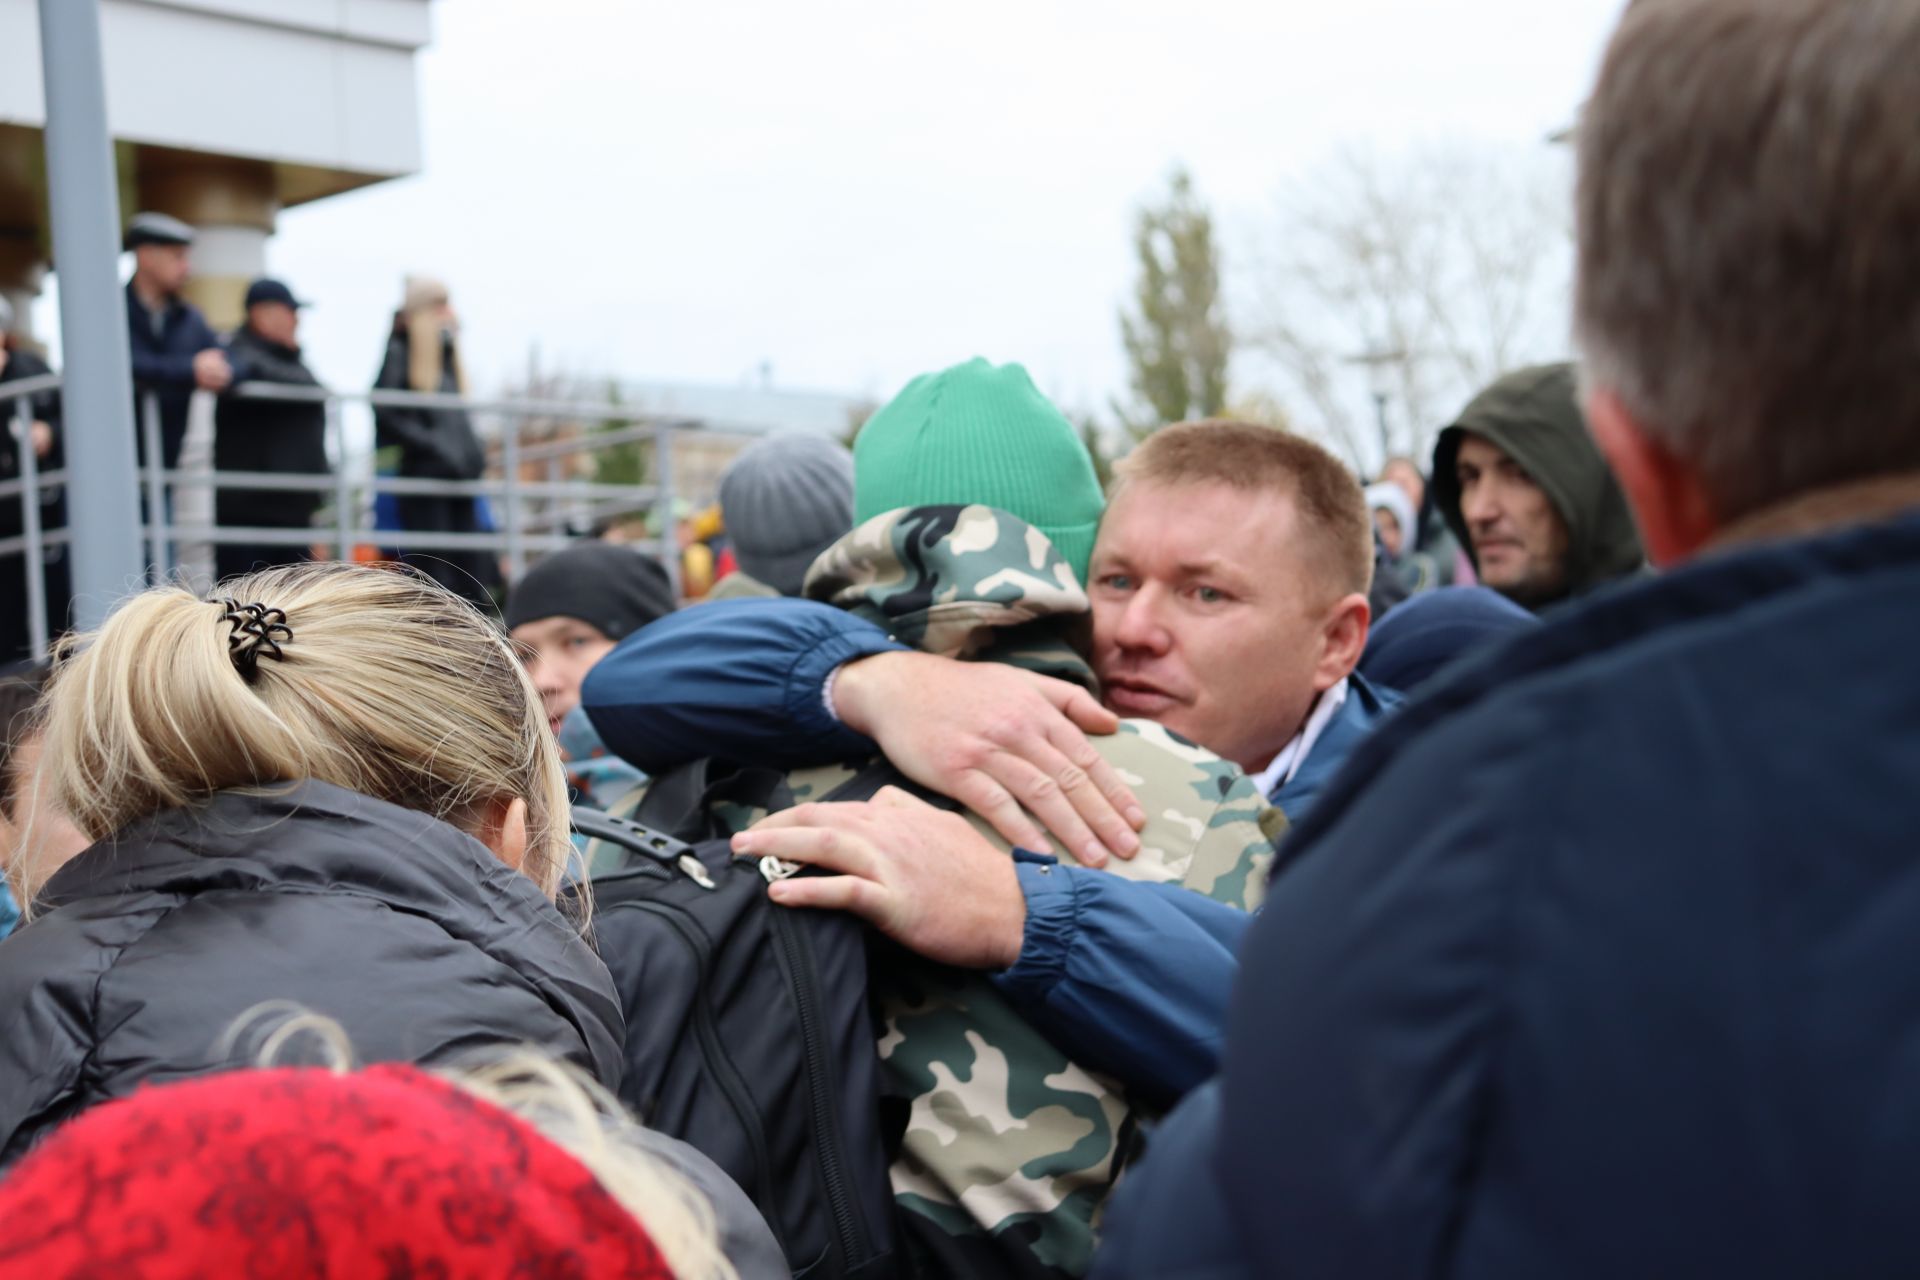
(411, 935)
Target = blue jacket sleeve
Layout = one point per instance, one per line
(735, 678)
(1128, 977)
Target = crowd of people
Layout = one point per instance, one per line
(1503, 868)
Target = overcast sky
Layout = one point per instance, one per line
(855, 192)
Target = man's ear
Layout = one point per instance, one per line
(503, 829)
(1344, 639)
(1675, 515)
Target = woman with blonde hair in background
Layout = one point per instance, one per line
(423, 354)
(333, 786)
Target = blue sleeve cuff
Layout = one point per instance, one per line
(1053, 918)
(807, 710)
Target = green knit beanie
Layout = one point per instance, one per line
(977, 433)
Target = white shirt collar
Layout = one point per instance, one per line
(1294, 754)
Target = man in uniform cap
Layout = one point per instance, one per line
(174, 350)
(257, 434)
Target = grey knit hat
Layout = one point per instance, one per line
(785, 500)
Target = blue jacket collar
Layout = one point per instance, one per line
(1366, 706)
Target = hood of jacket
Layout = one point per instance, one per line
(313, 837)
(1533, 416)
(968, 582)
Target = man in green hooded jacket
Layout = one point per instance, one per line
(1526, 492)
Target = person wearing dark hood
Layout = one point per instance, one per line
(1526, 491)
(257, 434)
(434, 443)
(335, 790)
(564, 615)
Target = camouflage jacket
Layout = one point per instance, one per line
(1011, 1148)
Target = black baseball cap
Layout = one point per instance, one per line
(265, 290)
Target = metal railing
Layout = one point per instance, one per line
(534, 517)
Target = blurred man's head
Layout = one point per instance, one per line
(1748, 292)
(567, 612)
(25, 813)
(1406, 473)
(785, 500)
(160, 245)
(273, 312)
(1529, 495)
(1229, 585)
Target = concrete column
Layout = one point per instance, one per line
(231, 205)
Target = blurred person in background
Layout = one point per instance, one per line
(43, 438)
(1432, 541)
(286, 437)
(565, 614)
(785, 499)
(175, 351)
(438, 443)
(1526, 490)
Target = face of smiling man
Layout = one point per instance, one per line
(1212, 616)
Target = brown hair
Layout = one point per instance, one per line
(391, 686)
(1253, 459)
(1749, 226)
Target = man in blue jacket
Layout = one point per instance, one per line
(175, 352)
(1609, 969)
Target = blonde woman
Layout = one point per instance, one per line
(333, 786)
(423, 354)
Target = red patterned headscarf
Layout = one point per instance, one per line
(294, 1173)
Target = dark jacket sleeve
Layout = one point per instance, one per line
(736, 678)
(1128, 977)
(153, 367)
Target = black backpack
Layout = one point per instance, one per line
(749, 1034)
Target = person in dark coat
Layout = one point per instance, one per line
(1526, 492)
(44, 438)
(434, 444)
(287, 437)
(174, 350)
(334, 789)
(1598, 960)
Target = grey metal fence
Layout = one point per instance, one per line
(534, 516)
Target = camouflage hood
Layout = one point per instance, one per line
(966, 582)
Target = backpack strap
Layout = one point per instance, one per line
(656, 846)
(879, 773)
(680, 802)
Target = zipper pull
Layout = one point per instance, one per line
(695, 872)
(772, 869)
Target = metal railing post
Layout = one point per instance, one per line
(36, 551)
(343, 512)
(663, 505)
(97, 398)
(159, 524)
(510, 496)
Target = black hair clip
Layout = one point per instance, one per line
(252, 628)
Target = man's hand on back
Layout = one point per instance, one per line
(920, 875)
(1003, 742)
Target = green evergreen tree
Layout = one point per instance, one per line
(1177, 340)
